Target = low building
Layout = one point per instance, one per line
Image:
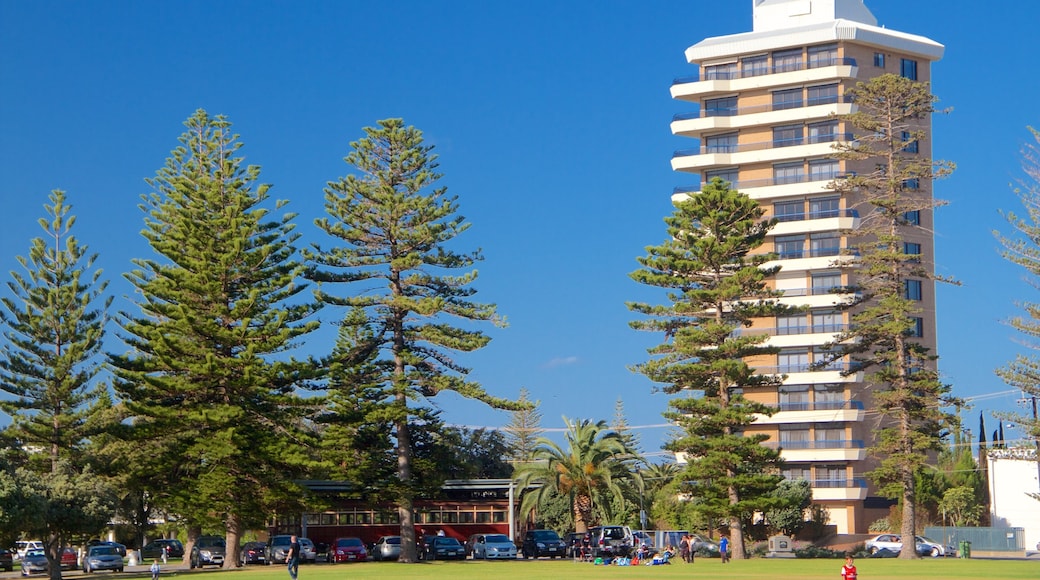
(1014, 490)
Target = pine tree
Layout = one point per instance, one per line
(716, 287)
(54, 323)
(894, 185)
(209, 375)
(523, 430)
(398, 228)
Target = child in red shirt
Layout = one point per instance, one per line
(848, 571)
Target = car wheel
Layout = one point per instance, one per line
(120, 569)
(936, 552)
(873, 550)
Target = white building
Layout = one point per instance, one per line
(1013, 475)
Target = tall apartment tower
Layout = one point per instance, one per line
(764, 109)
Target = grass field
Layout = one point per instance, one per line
(756, 569)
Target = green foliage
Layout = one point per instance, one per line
(716, 286)
(524, 429)
(818, 552)
(208, 382)
(880, 526)
(53, 323)
(893, 112)
(788, 517)
(590, 471)
(960, 505)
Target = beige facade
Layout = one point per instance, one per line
(764, 109)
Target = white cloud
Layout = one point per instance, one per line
(560, 361)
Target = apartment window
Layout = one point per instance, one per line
(795, 436)
(720, 71)
(908, 68)
(728, 175)
(824, 207)
(823, 132)
(794, 398)
(879, 59)
(721, 143)
(787, 99)
(824, 244)
(788, 173)
(825, 282)
(788, 135)
(795, 324)
(910, 143)
(828, 397)
(823, 170)
(721, 107)
(789, 211)
(831, 476)
(796, 473)
(912, 290)
(830, 359)
(822, 95)
(789, 247)
(787, 60)
(912, 218)
(830, 437)
(754, 66)
(825, 55)
(912, 184)
(827, 321)
(793, 361)
(917, 329)
(911, 249)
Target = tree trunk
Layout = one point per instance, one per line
(908, 530)
(194, 532)
(404, 501)
(582, 512)
(736, 531)
(233, 530)
(53, 550)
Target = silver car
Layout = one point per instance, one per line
(102, 558)
(386, 548)
(34, 561)
(493, 547)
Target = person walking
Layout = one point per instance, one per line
(723, 549)
(155, 570)
(292, 557)
(684, 548)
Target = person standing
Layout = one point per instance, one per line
(848, 571)
(292, 557)
(684, 548)
(723, 549)
(155, 570)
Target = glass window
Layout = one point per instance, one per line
(824, 132)
(879, 59)
(918, 327)
(721, 143)
(828, 397)
(721, 107)
(908, 68)
(825, 282)
(824, 55)
(789, 247)
(788, 173)
(913, 289)
(794, 398)
(824, 244)
(787, 60)
(789, 211)
(728, 175)
(824, 207)
(483, 517)
(827, 321)
(834, 475)
(793, 361)
(911, 249)
(913, 218)
(794, 437)
(823, 170)
(822, 95)
(787, 99)
(912, 184)
(720, 71)
(795, 473)
(794, 324)
(910, 145)
(788, 135)
(830, 437)
(754, 66)
(827, 357)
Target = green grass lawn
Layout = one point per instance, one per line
(756, 569)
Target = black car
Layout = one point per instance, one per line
(252, 553)
(441, 548)
(539, 543)
(154, 550)
(6, 559)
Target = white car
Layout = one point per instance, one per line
(23, 546)
(493, 547)
(923, 545)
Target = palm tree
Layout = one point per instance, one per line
(589, 470)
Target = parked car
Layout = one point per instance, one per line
(893, 543)
(539, 543)
(491, 547)
(386, 548)
(347, 550)
(23, 546)
(6, 559)
(102, 557)
(154, 549)
(278, 548)
(442, 548)
(119, 548)
(252, 553)
(611, 540)
(702, 544)
(34, 562)
(308, 551)
(69, 559)
(641, 538)
(207, 551)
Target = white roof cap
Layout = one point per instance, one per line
(778, 14)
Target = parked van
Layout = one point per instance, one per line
(611, 540)
(23, 546)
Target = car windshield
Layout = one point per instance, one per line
(447, 542)
(613, 533)
(31, 553)
(102, 551)
(496, 539)
(211, 542)
(396, 540)
(280, 541)
(345, 542)
(546, 535)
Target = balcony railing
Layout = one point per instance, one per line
(765, 70)
(824, 444)
(820, 291)
(792, 330)
(850, 404)
(855, 482)
(806, 368)
(763, 145)
(816, 253)
(817, 215)
(767, 108)
(771, 181)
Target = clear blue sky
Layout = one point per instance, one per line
(551, 121)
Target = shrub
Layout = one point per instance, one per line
(879, 526)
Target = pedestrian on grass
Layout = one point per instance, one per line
(292, 557)
(848, 571)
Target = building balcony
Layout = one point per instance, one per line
(805, 184)
(692, 88)
(817, 451)
(696, 123)
(854, 489)
(822, 412)
(709, 155)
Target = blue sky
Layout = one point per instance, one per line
(551, 121)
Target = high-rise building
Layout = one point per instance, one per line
(765, 108)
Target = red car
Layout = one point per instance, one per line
(347, 550)
(69, 559)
